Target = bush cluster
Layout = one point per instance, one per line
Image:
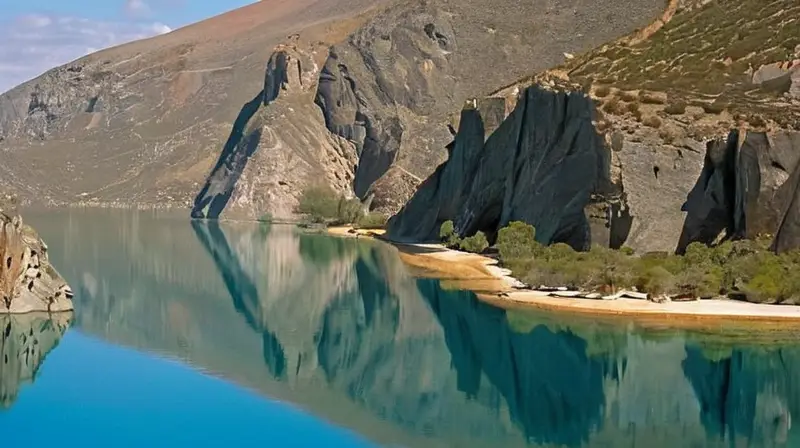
(323, 205)
(744, 269)
(476, 243)
(372, 221)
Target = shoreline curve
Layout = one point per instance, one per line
(495, 285)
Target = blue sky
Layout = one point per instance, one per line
(37, 35)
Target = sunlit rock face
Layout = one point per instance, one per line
(28, 282)
(25, 341)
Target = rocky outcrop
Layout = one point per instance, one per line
(543, 165)
(747, 188)
(25, 341)
(252, 171)
(27, 280)
(389, 88)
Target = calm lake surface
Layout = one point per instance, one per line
(197, 334)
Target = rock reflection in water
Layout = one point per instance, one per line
(25, 341)
(340, 328)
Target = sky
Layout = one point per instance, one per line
(37, 35)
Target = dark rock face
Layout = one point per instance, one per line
(542, 165)
(748, 187)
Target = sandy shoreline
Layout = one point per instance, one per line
(493, 284)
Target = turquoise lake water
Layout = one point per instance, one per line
(202, 334)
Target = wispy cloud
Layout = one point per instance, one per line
(137, 8)
(33, 44)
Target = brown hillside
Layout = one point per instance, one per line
(226, 107)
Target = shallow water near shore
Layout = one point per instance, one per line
(192, 334)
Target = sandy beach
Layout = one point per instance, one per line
(493, 284)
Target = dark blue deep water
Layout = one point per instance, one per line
(233, 334)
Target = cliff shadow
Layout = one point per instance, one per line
(239, 148)
(553, 390)
(25, 342)
(242, 290)
(748, 394)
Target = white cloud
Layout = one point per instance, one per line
(33, 44)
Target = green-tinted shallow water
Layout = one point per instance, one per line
(195, 334)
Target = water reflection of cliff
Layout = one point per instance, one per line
(25, 341)
(339, 328)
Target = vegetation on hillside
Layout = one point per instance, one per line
(703, 58)
(745, 269)
(322, 205)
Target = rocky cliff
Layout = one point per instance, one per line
(238, 114)
(543, 165)
(671, 135)
(28, 282)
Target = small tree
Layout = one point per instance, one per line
(447, 234)
(517, 240)
(320, 203)
(372, 221)
(446, 230)
(655, 280)
(476, 243)
(349, 211)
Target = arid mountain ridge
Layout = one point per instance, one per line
(144, 124)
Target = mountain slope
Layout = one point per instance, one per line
(144, 122)
(216, 111)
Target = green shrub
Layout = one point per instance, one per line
(743, 269)
(319, 203)
(476, 243)
(349, 211)
(372, 221)
(655, 280)
(446, 230)
(517, 241)
(447, 234)
(323, 205)
(266, 217)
